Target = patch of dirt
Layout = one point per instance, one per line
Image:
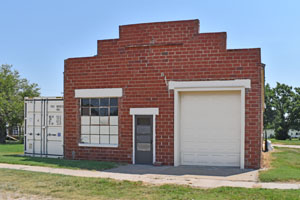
(266, 159)
(5, 195)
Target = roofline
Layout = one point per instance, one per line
(176, 21)
(43, 97)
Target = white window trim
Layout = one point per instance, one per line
(98, 93)
(98, 145)
(178, 86)
(144, 111)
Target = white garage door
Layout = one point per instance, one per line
(210, 128)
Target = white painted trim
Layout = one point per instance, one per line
(242, 159)
(176, 128)
(215, 86)
(98, 145)
(133, 139)
(43, 97)
(144, 111)
(207, 89)
(103, 92)
(154, 140)
(246, 83)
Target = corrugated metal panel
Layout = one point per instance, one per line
(44, 128)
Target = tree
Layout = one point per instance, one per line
(13, 89)
(296, 110)
(282, 109)
(270, 113)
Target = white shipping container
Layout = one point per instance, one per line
(44, 126)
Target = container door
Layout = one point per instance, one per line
(33, 127)
(54, 127)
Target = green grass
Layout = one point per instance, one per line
(285, 166)
(12, 154)
(293, 141)
(13, 142)
(68, 187)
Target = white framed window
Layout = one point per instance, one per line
(99, 121)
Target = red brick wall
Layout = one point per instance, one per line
(136, 61)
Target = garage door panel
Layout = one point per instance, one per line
(221, 160)
(207, 147)
(202, 159)
(210, 128)
(188, 157)
(211, 145)
(219, 125)
(207, 131)
(210, 159)
(205, 137)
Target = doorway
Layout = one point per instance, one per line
(143, 139)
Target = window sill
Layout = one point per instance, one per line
(97, 145)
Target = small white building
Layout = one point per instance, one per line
(292, 133)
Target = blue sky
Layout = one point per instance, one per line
(36, 36)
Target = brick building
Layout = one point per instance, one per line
(164, 93)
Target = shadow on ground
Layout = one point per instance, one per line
(57, 162)
(180, 170)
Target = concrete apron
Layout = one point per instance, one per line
(160, 179)
(203, 172)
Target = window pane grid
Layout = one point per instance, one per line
(99, 120)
